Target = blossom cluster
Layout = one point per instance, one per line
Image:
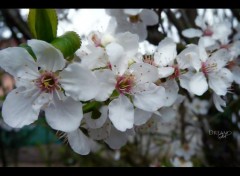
(131, 91)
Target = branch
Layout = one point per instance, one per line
(236, 13)
(14, 19)
(172, 18)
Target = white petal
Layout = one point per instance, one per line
(221, 31)
(95, 59)
(117, 139)
(129, 42)
(166, 52)
(149, 17)
(19, 63)
(220, 81)
(116, 55)
(112, 25)
(97, 123)
(198, 84)
(200, 22)
(167, 114)
(121, 113)
(202, 54)
(165, 71)
(219, 59)
(184, 80)
(78, 82)
(140, 29)
(218, 102)
(189, 57)
(132, 12)
(100, 133)
(171, 92)
(64, 115)
(107, 82)
(207, 42)
(48, 57)
(150, 100)
(141, 116)
(234, 49)
(17, 110)
(144, 72)
(79, 142)
(191, 33)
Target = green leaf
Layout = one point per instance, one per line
(91, 106)
(43, 24)
(68, 43)
(29, 49)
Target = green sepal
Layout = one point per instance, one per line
(91, 106)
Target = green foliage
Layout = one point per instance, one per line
(68, 43)
(43, 24)
(91, 106)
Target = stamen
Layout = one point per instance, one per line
(124, 84)
(48, 82)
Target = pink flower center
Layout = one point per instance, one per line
(125, 84)
(225, 46)
(96, 40)
(204, 68)
(48, 82)
(176, 73)
(207, 32)
(207, 68)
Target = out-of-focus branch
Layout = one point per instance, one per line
(13, 20)
(177, 23)
(188, 17)
(236, 13)
(2, 153)
(154, 36)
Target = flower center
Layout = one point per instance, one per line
(48, 82)
(206, 68)
(135, 18)
(149, 59)
(176, 72)
(124, 84)
(207, 32)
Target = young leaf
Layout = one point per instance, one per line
(68, 43)
(43, 24)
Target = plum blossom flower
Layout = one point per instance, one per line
(210, 34)
(212, 68)
(134, 20)
(45, 84)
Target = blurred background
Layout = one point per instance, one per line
(38, 145)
